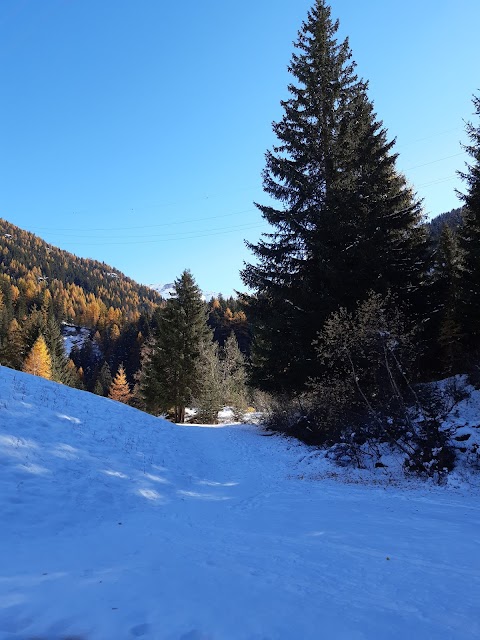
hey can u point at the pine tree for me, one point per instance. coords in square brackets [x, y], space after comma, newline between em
[38, 361]
[448, 290]
[53, 337]
[210, 395]
[171, 371]
[119, 389]
[346, 222]
[234, 377]
[104, 380]
[3, 317]
[98, 389]
[12, 349]
[32, 327]
[469, 239]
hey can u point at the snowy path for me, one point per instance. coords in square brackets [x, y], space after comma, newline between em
[117, 525]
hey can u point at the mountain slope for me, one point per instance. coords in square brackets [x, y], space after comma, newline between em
[117, 525]
[84, 291]
[451, 218]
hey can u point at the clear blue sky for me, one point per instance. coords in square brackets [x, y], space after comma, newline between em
[134, 132]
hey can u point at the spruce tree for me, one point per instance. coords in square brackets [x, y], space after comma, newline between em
[12, 348]
[210, 395]
[346, 222]
[53, 337]
[38, 361]
[3, 317]
[98, 389]
[104, 380]
[171, 371]
[234, 377]
[449, 272]
[469, 239]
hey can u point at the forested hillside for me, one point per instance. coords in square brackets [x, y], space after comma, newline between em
[452, 219]
[83, 291]
[43, 287]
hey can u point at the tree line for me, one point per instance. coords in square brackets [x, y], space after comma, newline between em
[114, 359]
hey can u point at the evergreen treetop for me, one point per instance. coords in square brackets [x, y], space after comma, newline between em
[171, 372]
[469, 237]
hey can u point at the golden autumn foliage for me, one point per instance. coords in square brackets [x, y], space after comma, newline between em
[114, 332]
[120, 389]
[38, 361]
[215, 304]
[34, 272]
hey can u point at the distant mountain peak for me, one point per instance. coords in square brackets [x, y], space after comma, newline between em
[168, 290]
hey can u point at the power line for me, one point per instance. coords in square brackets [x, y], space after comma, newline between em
[433, 135]
[164, 239]
[433, 161]
[149, 226]
[171, 235]
[434, 182]
[225, 215]
[146, 226]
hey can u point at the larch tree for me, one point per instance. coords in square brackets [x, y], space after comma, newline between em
[120, 389]
[469, 239]
[171, 373]
[344, 220]
[38, 361]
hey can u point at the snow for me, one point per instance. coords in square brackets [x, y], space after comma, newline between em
[74, 336]
[168, 291]
[118, 525]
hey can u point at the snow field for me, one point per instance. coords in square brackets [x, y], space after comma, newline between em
[118, 525]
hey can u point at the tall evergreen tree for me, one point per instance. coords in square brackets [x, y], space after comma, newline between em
[469, 239]
[104, 380]
[448, 276]
[234, 377]
[61, 372]
[171, 371]
[12, 349]
[346, 221]
[210, 395]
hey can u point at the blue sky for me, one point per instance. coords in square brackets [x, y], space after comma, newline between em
[134, 132]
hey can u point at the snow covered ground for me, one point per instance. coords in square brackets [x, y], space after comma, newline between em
[117, 525]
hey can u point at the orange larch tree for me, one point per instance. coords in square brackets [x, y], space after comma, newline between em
[120, 389]
[38, 362]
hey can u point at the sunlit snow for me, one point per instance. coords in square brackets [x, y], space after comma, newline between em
[118, 525]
